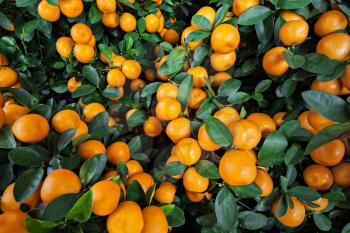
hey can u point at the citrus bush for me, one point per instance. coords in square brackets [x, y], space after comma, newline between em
[158, 116]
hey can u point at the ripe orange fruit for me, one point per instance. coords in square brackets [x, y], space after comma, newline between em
[152, 23]
[335, 46]
[222, 61]
[278, 118]
[152, 127]
[167, 90]
[8, 77]
[81, 33]
[178, 129]
[144, 179]
[134, 167]
[84, 53]
[3, 60]
[154, 220]
[264, 181]
[227, 115]
[110, 20]
[150, 75]
[92, 42]
[82, 129]
[105, 197]
[91, 110]
[13, 112]
[251, 154]
[64, 46]
[171, 36]
[193, 44]
[13, 221]
[274, 63]
[137, 84]
[329, 154]
[9, 203]
[127, 218]
[239, 6]
[207, 12]
[345, 78]
[294, 32]
[158, 65]
[65, 119]
[72, 84]
[304, 122]
[318, 177]
[294, 216]
[48, 12]
[291, 15]
[2, 117]
[115, 78]
[188, 151]
[127, 22]
[118, 151]
[194, 196]
[121, 94]
[71, 8]
[131, 69]
[165, 193]
[90, 148]
[174, 158]
[264, 122]
[129, 113]
[195, 182]
[237, 168]
[199, 74]
[30, 128]
[117, 61]
[205, 141]
[2, 100]
[333, 86]
[168, 109]
[225, 38]
[197, 96]
[58, 183]
[341, 174]
[321, 202]
[221, 77]
[246, 134]
[329, 22]
[317, 121]
[106, 6]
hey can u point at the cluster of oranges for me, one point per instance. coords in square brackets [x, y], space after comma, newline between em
[69, 8]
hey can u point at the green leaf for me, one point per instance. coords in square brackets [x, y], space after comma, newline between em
[207, 220]
[27, 183]
[58, 208]
[229, 86]
[199, 54]
[82, 209]
[322, 221]
[137, 118]
[27, 156]
[65, 138]
[7, 140]
[201, 22]
[272, 148]
[264, 29]
[38, 226]
[28, 28]
[328, 105]
[141, 25]
[150, 89]
[206, 108]
[152, 38]
[4, 21]
[111, 92]
[174, 168]
[319, 64]
[168, 209]
[83, 90]
[304, 193]
[165, 46]
[247, 191]
[254, 15]
[238, 97]
[293, 4]
[135, 192]
[294, 61]
[294, 155]
[53, 2]
[338, 71]
[174, 62]
[226, 217]
[106, 51]
[92, 169]
[221, 14]
[263, 86]
[218, 131]
[184, 92]
[95, 14]
[99, 121]
[289, 128]
[288, 87]
[6, 174]
[196, 36]
[22, 96]
[251, 220]
[91, 75]
[176, 217]
[346, 228]
[207, 169]
[24, 3]
[326, 135]
[335, 196]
